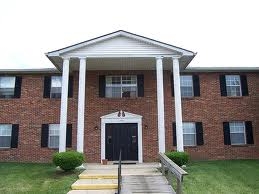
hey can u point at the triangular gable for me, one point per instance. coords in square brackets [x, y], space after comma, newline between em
[121, 114]
[113, 44]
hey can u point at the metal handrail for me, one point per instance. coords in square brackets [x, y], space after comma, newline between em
[119, 174]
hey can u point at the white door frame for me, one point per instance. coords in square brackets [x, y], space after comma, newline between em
[122, 117]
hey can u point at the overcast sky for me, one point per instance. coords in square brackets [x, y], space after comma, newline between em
[222, 32]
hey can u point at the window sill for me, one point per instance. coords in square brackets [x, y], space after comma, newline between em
[5, 149]
[234, 97]
[193, 146]
[243, 145]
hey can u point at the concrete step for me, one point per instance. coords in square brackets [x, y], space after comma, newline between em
[95, 184]
[97, 176]
[112, 191]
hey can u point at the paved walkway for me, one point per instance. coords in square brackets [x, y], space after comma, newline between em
[138, 178]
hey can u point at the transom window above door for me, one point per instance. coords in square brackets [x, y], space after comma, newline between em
[121, 86]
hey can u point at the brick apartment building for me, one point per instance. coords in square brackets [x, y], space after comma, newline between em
[122, 90]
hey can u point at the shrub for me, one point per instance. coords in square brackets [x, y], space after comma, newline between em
[180, 158]
[68, 160]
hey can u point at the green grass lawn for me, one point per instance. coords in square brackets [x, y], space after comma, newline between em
[230, 176]
[34, 178]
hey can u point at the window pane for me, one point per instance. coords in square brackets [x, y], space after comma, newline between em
[189, 127]
[129, 92]
[189, 134]
[237, 132]
[186, 91]
[189, 139]
[7, 82]
[5, 135]
[54, 135]
[113, 92]
[233, 91]
[5, 141]
[186, 83]
[56, 81]
[232, 80]
[7, 85]
[55, 91]
[237, 138]
[54, 141]
[5, 130]
[116, 80]
[233, 85]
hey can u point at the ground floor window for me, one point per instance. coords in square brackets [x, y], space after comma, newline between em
[189, 134]
[53, 136]
[5, 135]
[237, 133]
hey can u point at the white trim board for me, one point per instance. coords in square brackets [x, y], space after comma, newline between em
[127, 118]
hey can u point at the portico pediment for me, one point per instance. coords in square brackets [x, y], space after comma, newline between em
[121, 115]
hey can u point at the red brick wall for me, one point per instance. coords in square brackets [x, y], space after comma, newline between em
[32, 110]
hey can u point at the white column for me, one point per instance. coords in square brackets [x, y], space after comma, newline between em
[63, 109]
[160, 105]
[178, 104]
[81, 106]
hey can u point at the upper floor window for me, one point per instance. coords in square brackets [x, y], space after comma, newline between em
[53, 86]
[186, 83]
[55, 89]
[121, 86]
[190, 85]
[5, 135]
[233, 85]
[7, 87]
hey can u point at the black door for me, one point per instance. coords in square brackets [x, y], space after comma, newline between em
[122, 136]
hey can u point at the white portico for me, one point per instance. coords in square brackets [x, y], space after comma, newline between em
[120, 51]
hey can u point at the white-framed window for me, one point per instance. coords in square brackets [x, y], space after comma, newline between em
[237, 133]
[7, 86]
[5, 135]
[53, 136]
[56, 84]
[121, 86]
[186, 83]
[189, 134]
[233, 85]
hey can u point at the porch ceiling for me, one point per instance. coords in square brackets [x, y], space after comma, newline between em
[123, 63]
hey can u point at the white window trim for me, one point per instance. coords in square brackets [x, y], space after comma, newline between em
[121, 85]
[7, 136]
[244, 128]
[195, 134]
[240, 87]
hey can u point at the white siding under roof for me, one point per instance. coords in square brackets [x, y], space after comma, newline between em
[119, 46]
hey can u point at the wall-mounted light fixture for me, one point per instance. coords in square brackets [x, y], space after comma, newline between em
[96, 127]
[145, 126]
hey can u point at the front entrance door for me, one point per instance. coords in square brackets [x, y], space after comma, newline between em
[122, 136]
